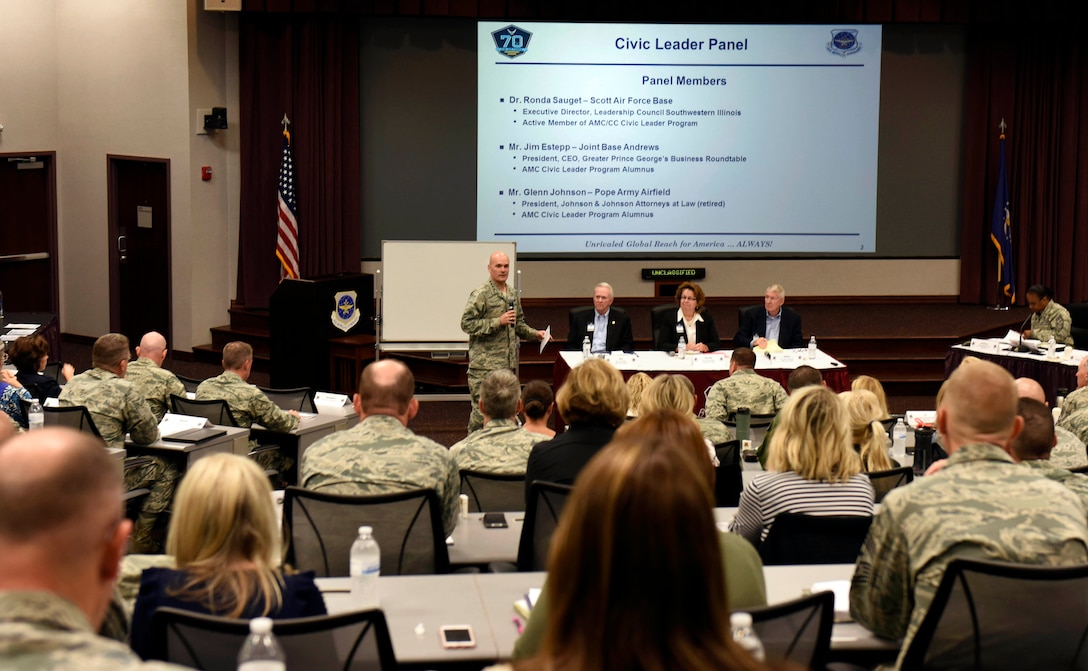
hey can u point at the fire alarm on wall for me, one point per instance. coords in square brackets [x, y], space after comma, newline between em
[206, 173]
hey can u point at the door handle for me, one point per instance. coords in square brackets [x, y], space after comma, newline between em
[122, 248]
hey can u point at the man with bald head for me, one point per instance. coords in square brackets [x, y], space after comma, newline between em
[63, 535]
[154, 382]
[493, 321]
[980, 505]
[1069, 451]
[380, 454]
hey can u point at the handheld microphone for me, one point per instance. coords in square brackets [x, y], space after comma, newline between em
[510, 307]
[1020, 347]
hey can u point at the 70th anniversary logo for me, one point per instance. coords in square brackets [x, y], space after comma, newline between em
[511, 41]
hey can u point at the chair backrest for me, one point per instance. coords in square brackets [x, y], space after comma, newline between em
[1079, 469]
[299, 398]
[492, 492]
[814, 539]
[743, 310]
[189, 383]
[216, 411]
[729, 481]
[354, 641]
[545, 505]
[885, 481]
[995, 615]
[660, 316]
[797, 631]
[74, 417]
[407, 526]
[53, 370]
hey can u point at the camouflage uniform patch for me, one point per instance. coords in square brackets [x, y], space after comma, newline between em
[500, 447]
[155, 384]
[744, 389]
[989, 507]
[380, 455]
[40, 631]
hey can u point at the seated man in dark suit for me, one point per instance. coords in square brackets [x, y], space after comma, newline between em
[773, 321]
[609, 329]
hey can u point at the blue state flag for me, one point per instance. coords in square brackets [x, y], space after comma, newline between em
[1001, 232]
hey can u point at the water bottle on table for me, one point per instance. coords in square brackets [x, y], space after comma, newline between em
[261, 651]
[366, 566]
[745, 637]
[35, 416]
[899, 442]
[812, 347]
[586, 346]
[681, 346]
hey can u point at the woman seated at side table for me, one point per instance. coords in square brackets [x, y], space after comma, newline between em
[692, 322]
[814, 469]
[29, 354]
[646, 501]
[225, 540]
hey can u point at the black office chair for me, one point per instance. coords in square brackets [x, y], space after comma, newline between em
[407, 525]
[661, 317]
[885, 481]
[53, 370]
[73, 416]
[189, 383]
[493, 492]
[797, 631]
[814, 539]
[216, 411]
[729, 482]
[299, 398]
[354, 641]
[996, 615]
[545, 505]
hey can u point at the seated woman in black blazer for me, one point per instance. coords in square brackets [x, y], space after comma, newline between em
[692, 322]
[29, 354]
[225, 540]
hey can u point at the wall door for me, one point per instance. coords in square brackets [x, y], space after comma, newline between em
[28, 232]
[139, 230]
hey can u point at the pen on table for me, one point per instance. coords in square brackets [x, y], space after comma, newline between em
[517, 623]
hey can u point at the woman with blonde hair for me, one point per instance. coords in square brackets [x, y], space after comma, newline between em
[636, 385]
[814, 469]
[871, 384]
[642, 508]
[676, 392]
[225, 541]
[593, 401]
[863, 413]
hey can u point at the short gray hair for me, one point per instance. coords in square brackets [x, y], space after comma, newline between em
[499, 394]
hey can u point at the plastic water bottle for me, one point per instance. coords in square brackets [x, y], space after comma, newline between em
[899, 441]
[366, 566]
[812, 347]
[36, 416]
[745, 637]
[261, 651]
[1051, 349]
[681, 346]
[586, 347]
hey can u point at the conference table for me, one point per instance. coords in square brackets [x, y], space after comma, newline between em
[1051, 374]
[416, 607]
[705, 369]
[233, 440]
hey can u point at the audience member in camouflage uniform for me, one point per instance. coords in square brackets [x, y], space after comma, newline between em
[152, 380]
[989, 507]
[502, 446]
[248, 404]
[380, 454]
[493, 328]
[1033, 447]
[1078, 398]
[118, 408]
[1069, 451]
[1050, 319]
[744, 388]
[63, 538]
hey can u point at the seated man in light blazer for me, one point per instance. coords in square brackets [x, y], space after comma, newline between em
[773, 321]
[608, 328]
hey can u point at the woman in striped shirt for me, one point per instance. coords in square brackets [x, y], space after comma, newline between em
[814, 468]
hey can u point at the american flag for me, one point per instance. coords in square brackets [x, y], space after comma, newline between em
[287, 236]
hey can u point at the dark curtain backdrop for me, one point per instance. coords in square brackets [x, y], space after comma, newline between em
[1024, 65]
[1040, 88]
[307, 67]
